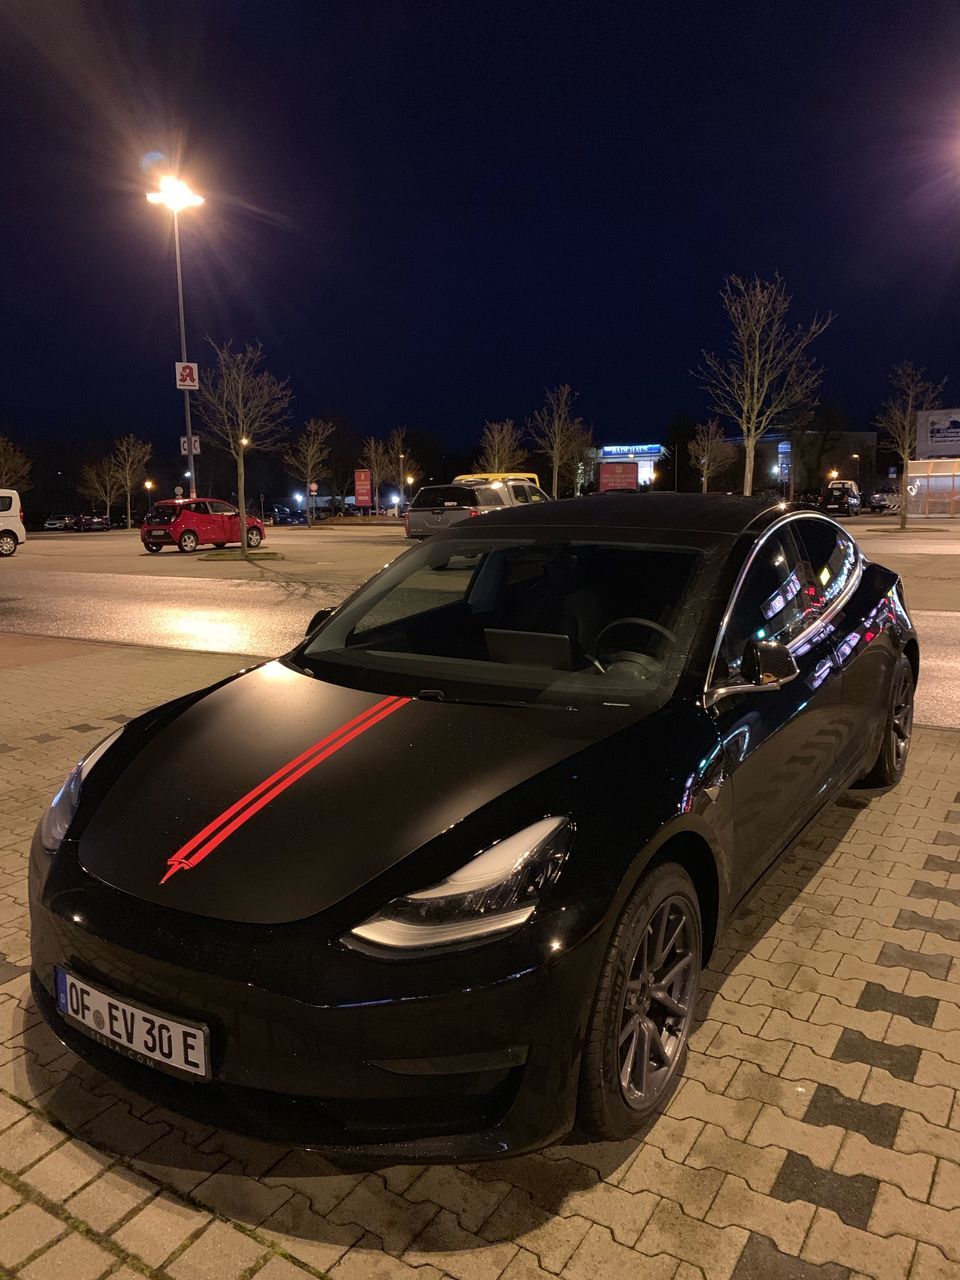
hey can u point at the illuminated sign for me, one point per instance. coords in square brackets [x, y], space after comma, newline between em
[629, 450]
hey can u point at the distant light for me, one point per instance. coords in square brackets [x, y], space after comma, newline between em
[395, 498]
[833, 474]
[409, 479]
[298, 497]
[774, 471]
[244, 440]
[186, 475]
[176, 195]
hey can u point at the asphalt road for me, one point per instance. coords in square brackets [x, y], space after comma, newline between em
[105, 587]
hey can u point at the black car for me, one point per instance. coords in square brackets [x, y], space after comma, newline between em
[440, 882]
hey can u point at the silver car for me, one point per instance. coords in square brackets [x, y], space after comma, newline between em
[436, 506]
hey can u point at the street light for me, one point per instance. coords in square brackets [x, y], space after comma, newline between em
[177, 196]
[148, 485]
[832, 475]
[856, 458]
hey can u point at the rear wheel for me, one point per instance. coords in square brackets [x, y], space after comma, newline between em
[8, 543]
[254, 537]
[219, 545]
[153, 547]
[188, 541]
[897, 731]
[644, 1006]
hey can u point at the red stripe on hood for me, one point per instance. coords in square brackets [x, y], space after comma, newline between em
[215, 832]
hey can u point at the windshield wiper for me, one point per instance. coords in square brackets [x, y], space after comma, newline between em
[438, 695]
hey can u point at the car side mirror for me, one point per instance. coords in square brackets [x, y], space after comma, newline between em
[765, 665]
[320, 616]
[767, 662]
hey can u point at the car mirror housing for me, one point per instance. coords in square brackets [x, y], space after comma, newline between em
[767, 662]
[320, 616]
[766, 665]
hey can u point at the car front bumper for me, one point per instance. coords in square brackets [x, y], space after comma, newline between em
[466, 1070]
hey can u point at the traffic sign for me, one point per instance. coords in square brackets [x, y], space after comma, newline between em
[178, 491]
[183, 445]
[314, 487]
[188, 375]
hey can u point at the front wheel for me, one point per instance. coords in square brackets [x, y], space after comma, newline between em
[8, 543]
[254, 537]
[188, 541]
[153, 547]
[644, 1005]
[891, 763]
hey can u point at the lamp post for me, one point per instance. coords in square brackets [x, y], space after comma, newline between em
[177, 196]
[402, 486]
[856, 459]
[148, 485]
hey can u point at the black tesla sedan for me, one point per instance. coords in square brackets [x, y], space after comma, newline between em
[440, 882]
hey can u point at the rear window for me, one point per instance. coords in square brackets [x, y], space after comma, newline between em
[162, 515]
[445, 495]
[6, 502]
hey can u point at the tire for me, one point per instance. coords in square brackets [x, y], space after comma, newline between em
[617, 1095]
[254, 537]
[188, 541]
[219, 545]
[8, 543]
[153, 547]
[891, 762]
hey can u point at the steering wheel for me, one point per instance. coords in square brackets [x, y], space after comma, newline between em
[629, 655]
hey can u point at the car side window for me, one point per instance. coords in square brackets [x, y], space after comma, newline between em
[490, 497]
[769, 604]
[5, 503]
[222, 509]
[520, 493]
[831, 555]
[536, 495]
[197, 508]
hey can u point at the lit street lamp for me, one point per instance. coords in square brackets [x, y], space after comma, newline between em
[148, 485]
[177, 196]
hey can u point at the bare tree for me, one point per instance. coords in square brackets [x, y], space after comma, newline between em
[501, 447]
[767, 378]
[912, 394]
[559, 433]
[244, 408]
[710, 451]
[130, 457]
[14, 466]
[400, 461]
[100, 482]
[309, 454]
[376, 459]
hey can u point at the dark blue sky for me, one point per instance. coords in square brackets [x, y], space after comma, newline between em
[430, 211]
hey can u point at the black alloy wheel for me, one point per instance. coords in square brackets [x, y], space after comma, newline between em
[898, 730]
[644, 1006]
[188, 541]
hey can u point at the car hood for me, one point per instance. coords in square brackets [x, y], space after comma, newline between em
[276, 795]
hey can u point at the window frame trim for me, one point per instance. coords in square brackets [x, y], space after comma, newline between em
[745, 568]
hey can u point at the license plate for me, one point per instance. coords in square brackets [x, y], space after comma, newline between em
[142, 1034]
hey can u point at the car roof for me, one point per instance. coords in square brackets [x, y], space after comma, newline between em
[718, 514]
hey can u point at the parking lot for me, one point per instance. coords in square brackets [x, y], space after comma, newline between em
[816, 1135]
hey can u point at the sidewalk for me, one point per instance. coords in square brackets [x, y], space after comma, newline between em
[816, 1135]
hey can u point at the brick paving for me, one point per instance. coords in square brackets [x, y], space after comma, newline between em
[816, 1135]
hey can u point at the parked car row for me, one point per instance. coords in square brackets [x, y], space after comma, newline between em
[79, 523]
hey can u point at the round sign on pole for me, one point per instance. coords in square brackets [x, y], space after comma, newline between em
[314, 487]
[179, 491]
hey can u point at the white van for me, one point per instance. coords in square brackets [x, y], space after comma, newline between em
[12, 532]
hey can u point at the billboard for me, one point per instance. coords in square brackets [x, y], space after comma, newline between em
[361, 488]
[617, 475]
[938, 433]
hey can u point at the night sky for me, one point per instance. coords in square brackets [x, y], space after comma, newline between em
[428, 212]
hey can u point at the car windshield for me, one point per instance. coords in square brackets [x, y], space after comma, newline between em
[568, 622]
[162, 515]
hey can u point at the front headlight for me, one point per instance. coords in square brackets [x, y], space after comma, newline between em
[56, 821]
[498, 889]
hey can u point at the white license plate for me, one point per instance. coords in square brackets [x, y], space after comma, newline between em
[138, 1033]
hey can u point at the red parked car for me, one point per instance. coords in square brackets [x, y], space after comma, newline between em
[188, 523]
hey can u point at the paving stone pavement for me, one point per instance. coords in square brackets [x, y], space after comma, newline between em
[816, 1135]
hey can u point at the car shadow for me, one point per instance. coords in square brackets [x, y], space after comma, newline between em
[317, 1209]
